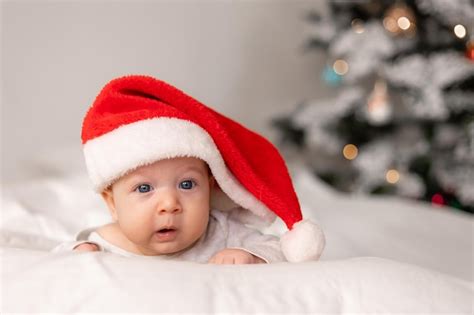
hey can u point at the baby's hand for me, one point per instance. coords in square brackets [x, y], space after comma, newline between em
[86, 247]
[234, 256]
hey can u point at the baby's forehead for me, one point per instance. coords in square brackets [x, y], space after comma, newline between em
[178, 164]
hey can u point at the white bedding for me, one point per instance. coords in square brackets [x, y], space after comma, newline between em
[424, 259]
[100, 282]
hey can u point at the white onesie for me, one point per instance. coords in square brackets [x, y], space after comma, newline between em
[223, 231]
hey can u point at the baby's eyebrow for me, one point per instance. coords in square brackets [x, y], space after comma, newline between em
[194, 168]
[135, 178]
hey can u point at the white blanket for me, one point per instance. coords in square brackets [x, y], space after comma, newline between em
[100, 282]
[424, 264]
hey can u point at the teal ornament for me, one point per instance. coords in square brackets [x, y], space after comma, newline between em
[331, 77]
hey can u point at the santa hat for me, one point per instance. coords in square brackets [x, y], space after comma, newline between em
[137, 120]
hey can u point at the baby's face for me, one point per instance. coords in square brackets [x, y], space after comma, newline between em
[168, 194]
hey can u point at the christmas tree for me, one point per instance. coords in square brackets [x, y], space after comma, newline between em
[402, 122]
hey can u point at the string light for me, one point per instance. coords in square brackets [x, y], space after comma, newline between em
[404, 23]
[358, 26]
[390, 24]
[392, 176]
[460, 31]
[340, 66]
[399, 19]
[350, 151]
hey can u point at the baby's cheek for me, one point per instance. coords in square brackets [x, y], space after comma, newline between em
[137, 229]
[193, 228]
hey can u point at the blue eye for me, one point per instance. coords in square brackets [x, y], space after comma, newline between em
[187, 184]
[143, 188]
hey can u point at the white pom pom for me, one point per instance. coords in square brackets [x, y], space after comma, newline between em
[303, 243]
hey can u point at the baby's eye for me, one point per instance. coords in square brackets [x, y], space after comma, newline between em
[187, 184]
[143, 188]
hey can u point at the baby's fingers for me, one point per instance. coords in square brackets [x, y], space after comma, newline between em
[228, 260]
[241, 260]
[222, 260]
[86, 247]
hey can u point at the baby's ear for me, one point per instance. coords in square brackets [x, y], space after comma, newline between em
[108, 197]
[212, 182]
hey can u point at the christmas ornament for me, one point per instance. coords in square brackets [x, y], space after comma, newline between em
[470, 50]
[437, 200]
[137, 120]
[379, 109]
[330, 76]
[399, 19]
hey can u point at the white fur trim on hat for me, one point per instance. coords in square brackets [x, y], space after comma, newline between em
[130, 146]
[304, 242]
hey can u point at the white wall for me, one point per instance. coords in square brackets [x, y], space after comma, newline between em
[243, 58]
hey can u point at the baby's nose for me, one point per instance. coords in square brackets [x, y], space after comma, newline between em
[174, 210]
[168, 203]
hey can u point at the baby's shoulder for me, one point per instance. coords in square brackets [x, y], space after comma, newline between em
[107, 231]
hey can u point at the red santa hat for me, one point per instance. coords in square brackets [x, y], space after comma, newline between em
[137, 120]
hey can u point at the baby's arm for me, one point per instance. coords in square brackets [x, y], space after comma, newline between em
[76, 246]
[247, 245]
[231, 256]
[82, 243]
[87, 247]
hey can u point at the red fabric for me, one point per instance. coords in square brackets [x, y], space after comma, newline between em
[253, 160]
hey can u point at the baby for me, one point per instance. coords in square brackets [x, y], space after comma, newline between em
[164, 208]
[182, 181]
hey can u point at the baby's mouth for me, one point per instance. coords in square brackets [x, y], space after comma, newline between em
[166, 234]
[166, 230]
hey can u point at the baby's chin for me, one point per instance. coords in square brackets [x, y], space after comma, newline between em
[169, 248]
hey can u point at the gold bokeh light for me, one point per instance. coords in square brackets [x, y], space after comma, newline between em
[340, 66]
[358, 26]
[403, 23]
[350, 151]
[392, 176]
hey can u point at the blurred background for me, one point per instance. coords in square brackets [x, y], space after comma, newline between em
[243, 58]
[402, 122]
[373, 96]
